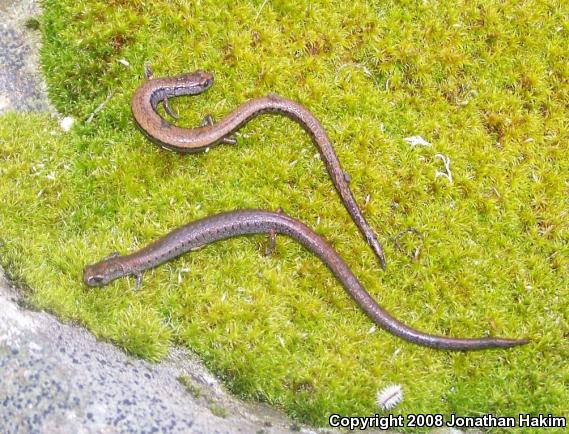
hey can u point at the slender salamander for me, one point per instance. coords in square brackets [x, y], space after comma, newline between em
[226, 225]
[147, 97]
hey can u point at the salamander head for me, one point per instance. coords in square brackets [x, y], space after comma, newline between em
[104, 272]
[194, 82]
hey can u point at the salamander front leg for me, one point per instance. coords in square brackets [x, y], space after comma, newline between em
[148, 74]
[272, 238]
[208, 121]
[168, 109]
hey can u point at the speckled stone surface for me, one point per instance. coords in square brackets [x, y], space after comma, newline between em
[57, 378]
[21, 87]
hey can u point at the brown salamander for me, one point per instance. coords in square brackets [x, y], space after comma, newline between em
[153, 91]
[231, 224]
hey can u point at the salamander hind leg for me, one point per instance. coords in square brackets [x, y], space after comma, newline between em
[208, 122]
[272, 237]
[229, 140]
[138, 284]
[272, 242]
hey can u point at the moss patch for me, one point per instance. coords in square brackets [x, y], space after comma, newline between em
[486, 83]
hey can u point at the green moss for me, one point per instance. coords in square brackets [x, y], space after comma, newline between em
[190, 386]
[32, 24]
[217, 410]
[486, 83]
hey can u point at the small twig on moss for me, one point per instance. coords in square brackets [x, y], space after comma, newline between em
[417, 251]
[180, 272]
[99, 107]
[364, 68]
[260, 9]
[446, 162]
[416, 141]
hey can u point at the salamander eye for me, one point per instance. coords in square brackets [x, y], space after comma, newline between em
[93, 280]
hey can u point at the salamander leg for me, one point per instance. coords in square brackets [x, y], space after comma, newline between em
[169, 109]
[272, 238]
[208, 121]
[138, 284]
[148, 74]
[147, 71]
[229, 140]
[272, 242]
[347, 177]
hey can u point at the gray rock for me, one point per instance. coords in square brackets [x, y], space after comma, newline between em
[21, 86]
[57, 378]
